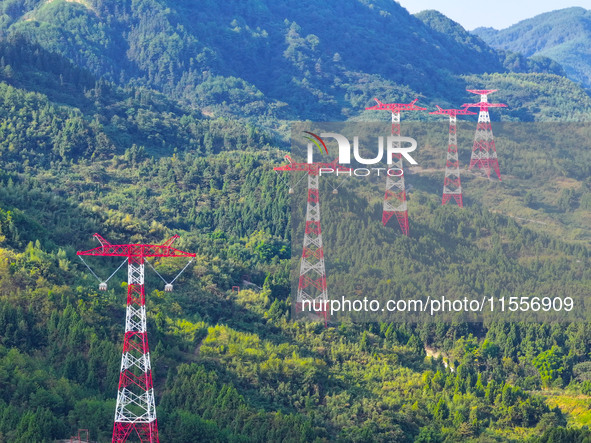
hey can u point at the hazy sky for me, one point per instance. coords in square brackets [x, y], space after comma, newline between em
[498, 14]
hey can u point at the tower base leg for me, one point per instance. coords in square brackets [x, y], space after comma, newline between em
[401, 216]
[457, 197]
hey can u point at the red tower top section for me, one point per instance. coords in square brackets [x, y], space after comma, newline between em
[136, 250]
[396, 107]
[483, 104]
[452, 112]
[482, 91]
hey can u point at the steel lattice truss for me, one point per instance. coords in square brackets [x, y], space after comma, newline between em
[395, 195]
[312, 280]
[452, 186]
[135, 411]
[484, 151]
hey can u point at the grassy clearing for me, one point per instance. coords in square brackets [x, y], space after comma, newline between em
[576, 407]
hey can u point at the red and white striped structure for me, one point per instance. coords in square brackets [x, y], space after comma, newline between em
[136, 409]
[395, 195]
[452, 185]
[312, 280]
[484, 152]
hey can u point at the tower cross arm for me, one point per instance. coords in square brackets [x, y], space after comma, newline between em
[396, 107]
[292, 166]
[484, 105]
[107, 249]
[311, 167]
[482, 91]
[136, 250]
[442, 111]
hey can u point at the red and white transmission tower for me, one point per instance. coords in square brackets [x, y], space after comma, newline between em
[136, 408]
[312, 281]
[452, 186]
[484, 152]
[395, 196]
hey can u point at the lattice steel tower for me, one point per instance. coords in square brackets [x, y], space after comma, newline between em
[136, 408]
[312, 279]
[395, 195]
[452, 185]
[484, 152]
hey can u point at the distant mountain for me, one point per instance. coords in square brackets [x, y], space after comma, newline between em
[267, 60]
[563, 35]
[467, 43]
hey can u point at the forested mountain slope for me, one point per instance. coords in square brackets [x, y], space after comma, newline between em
[118, 118]
[263, 59]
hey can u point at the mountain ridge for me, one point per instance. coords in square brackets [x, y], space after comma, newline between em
[276, 60]
[563, 35]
